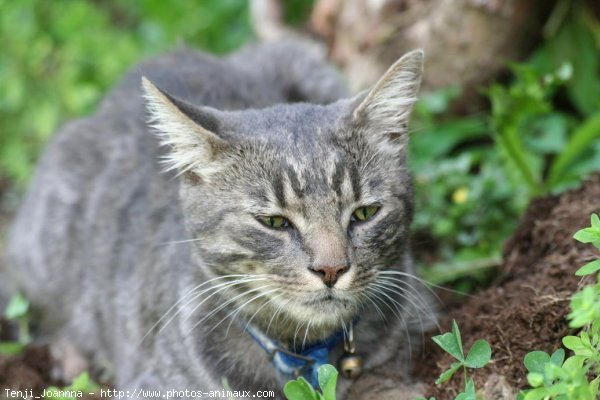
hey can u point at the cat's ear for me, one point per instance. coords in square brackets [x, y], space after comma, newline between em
[383, 112]
[191, 132]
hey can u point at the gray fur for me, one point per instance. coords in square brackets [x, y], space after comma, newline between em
[105, 243]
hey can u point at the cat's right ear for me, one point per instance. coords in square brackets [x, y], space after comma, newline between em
[190, 132]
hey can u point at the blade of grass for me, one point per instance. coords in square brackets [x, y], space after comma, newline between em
[581, 139]
[513, 147]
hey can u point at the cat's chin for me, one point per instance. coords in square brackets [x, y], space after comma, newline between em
[325, 309]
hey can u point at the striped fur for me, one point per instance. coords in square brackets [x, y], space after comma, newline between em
[111, 247]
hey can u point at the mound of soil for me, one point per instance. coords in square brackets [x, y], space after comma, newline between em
[525, 308]
[29, 370]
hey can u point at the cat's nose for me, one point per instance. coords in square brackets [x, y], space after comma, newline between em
[329, 275]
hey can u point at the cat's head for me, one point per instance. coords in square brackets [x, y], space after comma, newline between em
[302, 205]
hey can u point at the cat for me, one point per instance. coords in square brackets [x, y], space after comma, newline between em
[261, 208]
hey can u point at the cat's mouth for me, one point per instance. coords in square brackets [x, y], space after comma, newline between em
[329, 299]
[323, 308]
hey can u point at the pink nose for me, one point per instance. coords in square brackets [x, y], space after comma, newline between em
[329, 275]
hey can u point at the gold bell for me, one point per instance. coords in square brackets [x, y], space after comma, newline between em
[351, 365]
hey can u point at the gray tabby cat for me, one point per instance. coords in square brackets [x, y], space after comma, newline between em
[286, 221]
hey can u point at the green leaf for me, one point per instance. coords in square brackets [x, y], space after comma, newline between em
[534, 361]
[84, 383]
[450, 342]
[11, 348]
[558, 357]
[580, 140]
[587, 235]
[583, 307]
[469, 393]
[595, 221]
[512, 145]
[573, 342]
[327, 376]
[585, 339]
[456, 333]
[299, 389]
[479, 355]
[17, 307]
[535, 379]
[536, 394]
[447, 374]
[589, 268]
[573, 363]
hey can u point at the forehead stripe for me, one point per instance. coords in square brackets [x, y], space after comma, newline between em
[338, 178]
[278, 189]
[294, 182]
[355, 181]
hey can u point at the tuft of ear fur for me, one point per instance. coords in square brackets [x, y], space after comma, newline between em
[186, 129]
[386, 108]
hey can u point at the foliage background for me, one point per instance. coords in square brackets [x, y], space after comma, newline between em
[474, 174]
[59, 57]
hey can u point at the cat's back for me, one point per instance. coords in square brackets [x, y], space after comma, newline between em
[98, 201]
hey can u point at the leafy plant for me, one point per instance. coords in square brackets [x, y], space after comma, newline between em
[590, 235]
[300, 389]
[566, 145]
[577, 377]
[466, 204]
[476, 174]
[83, 383]
[17, 311]
[478, 356]
[58, 58]
[525, 106]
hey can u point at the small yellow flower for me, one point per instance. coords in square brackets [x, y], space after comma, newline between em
[460, 195]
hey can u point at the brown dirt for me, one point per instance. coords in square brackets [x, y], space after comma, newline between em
[30, 370]
[525, 308]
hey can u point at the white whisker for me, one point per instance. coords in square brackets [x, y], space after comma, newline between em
[400, 318]
[276, 314]
[258, 310]
[406, 288]
[411, 291]
[383, 318]
[189, 293]
[407, 310]
[425, 283]
[306, 332]
[239, 308]
[219, 308]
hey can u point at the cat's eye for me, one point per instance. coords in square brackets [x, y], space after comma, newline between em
[364, 213]
[275, 222]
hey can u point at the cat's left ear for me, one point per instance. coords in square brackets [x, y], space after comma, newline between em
[383, 113]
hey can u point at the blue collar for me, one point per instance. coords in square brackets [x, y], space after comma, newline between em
[290, 365]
